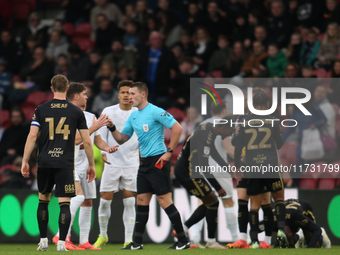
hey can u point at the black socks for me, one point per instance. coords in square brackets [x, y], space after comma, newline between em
[142, 216]
[42, 215]
[64, 220]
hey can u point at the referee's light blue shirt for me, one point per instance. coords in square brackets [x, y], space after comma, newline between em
[149, 126]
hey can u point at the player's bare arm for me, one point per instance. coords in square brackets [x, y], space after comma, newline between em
[175, 135]
[102, 145]
[118, 136]
[91, 171]
[96, 124]
[29, 146]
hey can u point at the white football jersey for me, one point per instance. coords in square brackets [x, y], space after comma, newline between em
[128, 152]
[81, 160]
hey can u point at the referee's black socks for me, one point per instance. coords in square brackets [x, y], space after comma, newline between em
[280, 211]
[176, 221]
[211, 217]
[64, 220]
[42, 215]
[142, 216]
[197, 215]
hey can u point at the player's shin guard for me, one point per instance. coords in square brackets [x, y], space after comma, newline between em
[268, 222]
[176, 221]
[254, 225]
[129, 215]
[84, 224]
[231, 222]
[211, 217]
[196, 216]
[104, 213]
[64, 220]
[280, 211]
[142, 216]
[42, 215]
[243, 218]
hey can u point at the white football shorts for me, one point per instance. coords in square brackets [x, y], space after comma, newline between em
[89, 189]
[118, 178]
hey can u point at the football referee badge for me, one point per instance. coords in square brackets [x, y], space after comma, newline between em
[146, 128]
[206, 150]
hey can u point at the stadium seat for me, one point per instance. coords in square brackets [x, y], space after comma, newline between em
[83, 29]
[320, 37]
[28, 112]
[20, 10]
[326, 183]
[49, 96]
[84, 43]
[177, 113]
[322, 73]
[3, 168]
[69, 29]
[4, 117]
[288, 152]
[36, 98]
[307, 183]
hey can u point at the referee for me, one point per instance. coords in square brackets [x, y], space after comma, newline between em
[57, 121]
[154, 171]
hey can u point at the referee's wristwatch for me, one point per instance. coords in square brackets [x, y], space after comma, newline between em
[169, 150]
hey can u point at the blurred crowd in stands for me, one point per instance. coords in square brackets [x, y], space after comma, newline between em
[164, 43]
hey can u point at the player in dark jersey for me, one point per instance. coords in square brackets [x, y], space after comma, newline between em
[195, 154]
[261, 137]
[300, 218]
[243, 199]
[57, 121]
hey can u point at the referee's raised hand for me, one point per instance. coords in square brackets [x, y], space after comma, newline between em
[91, 174]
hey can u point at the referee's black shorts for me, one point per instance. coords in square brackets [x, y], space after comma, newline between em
[150, 179]
[61, 177]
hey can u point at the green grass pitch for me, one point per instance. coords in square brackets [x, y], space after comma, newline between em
[159, 249]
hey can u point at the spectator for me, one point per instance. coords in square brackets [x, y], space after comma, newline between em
[309, 49]
[254, 19]
[186, 44]
[251, 66]
[57, 45]
[279, 27]
[193, 19]
[110, 10]
[309, 13]
[123, 73]
[106, 97]
[164, 6]
[177, 51]
[292, 70]
[106, 32]
[106, 72]
[62, 65]
[241, 29]
[320, 98]
[215, 23]
[334, 89]
[120, 57]
[151, 25]
[260, 34]
[131, 38]
[142, 13]
[311, 82]
[15, 180]
[35, 27]
[236, 60]
[171, 29]
[77, 11]
[9, 50]
[191, 121]
[276, 61]
[204, 48]
[155, 66]
[27, 52]
[294, 48]
[39, 70]
[129, 15]
[95, 63]
[220, 56]
[331, 14]
[316, 120]
[5, 81]
[13, 140]
[79, 63]
[58, 25]
[329, 48]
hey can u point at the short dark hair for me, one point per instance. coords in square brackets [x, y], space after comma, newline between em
[75, 88]
[261, 98]
[141, 87]
[218, 108]
[124, 83]
[59, 83]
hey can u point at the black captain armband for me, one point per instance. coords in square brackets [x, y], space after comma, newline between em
[112, 129]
